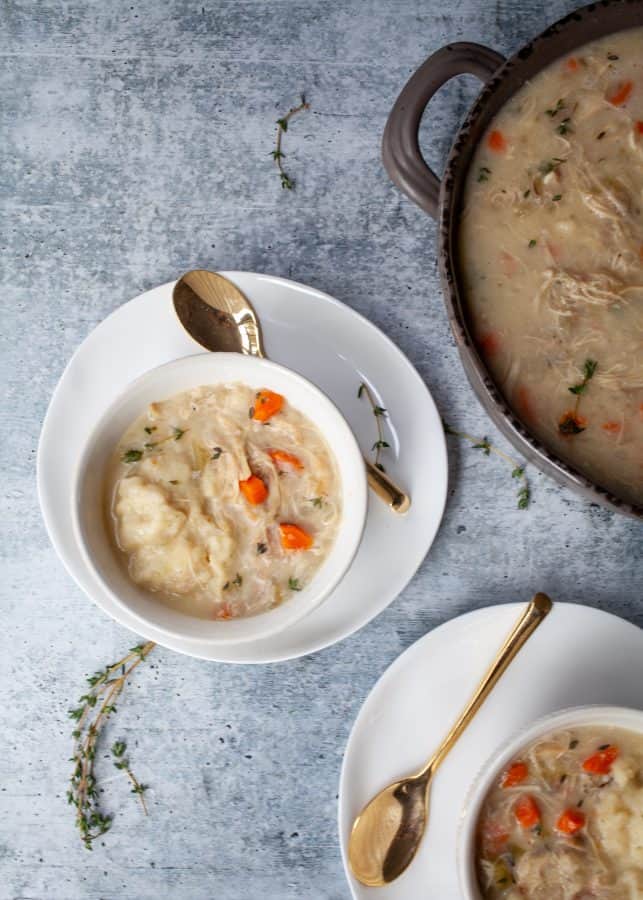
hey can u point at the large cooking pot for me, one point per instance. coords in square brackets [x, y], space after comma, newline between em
[441, 198]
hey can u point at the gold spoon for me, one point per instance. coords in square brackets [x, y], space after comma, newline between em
[388, 831]
[219, 317]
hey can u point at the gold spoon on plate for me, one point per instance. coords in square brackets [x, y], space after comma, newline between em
[388, 831]
[219, 317]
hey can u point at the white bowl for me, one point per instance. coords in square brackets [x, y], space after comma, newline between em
[615, 716]
[97, 546]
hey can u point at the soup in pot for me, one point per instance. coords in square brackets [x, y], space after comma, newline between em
[224, 500]
[564, 821]
[551, 253]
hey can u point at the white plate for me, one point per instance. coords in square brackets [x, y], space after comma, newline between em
[335, 348]
[578, 656]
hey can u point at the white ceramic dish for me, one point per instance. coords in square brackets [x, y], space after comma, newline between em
[89, 520]
[333, 347]
[616, 716]
[417, 699]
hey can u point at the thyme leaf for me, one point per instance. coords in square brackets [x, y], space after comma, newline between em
[379, 412]
[278, 154]
[132, 456]
[517, 470]
[91, 716]
[293, 584]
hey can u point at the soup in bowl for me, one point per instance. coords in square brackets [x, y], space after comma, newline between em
[221, 497]
[558, 814]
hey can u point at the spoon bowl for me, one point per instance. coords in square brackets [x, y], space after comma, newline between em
[388, 831]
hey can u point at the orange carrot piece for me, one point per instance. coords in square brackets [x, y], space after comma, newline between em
[612, 427]
[572, 64]
[489, 343]
[254, 490]
[267, 404]
[225, 612]
[570, 821]
[286, 460]
[527, 812]
[600, 763]
[638, 127]
[294, 538]
[621, 94]
[497, 141]
[515, 774]
[525, 402]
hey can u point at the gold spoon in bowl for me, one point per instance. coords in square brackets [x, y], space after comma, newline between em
[388, 831]
[219, 317]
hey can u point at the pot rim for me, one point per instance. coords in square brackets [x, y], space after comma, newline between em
[485, 388]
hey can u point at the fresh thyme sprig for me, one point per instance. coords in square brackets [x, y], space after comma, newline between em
[94, 709]
[122, 762]
[278, 154]
[379, 412]
[571, 422]
[517, 471]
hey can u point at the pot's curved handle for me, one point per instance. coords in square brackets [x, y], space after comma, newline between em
[400, 148]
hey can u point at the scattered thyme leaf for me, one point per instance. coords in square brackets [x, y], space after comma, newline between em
[278, 154]
[532, 243]
[238, 580]
[612, 56]
[600, 135]
[132, 456]
[293, 584]
[379, 412]
[178, 433]
[316, 501]
[262, 548]
[483, 173]
[97, 705]
[483, 445]
[517, 471]
[173, 481]
[557, 197]
[149, 429]
[217, 451]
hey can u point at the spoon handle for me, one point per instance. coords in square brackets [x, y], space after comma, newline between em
[529, 621]
[386, 490]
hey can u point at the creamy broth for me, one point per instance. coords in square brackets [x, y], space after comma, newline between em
[224, 501]
[564, 821]
[551, 251]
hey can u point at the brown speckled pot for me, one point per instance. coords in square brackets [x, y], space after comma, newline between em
[442, 198]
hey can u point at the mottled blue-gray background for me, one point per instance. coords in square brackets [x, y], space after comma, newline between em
[135, 144]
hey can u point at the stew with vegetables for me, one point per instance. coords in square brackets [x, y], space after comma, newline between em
[551, 253]
[224, 500]
[565, 820]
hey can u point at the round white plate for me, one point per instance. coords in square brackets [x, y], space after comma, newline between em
[578, 656]
[335, 348]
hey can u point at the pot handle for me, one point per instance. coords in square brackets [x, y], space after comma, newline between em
[401, 153]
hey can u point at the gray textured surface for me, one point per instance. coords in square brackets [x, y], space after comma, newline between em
[136, 141]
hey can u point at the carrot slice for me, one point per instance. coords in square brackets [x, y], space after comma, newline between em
[294, 538]
[515, 774]
[497, 141]
[285, 460]
[572, 64]
[600, 763]
[254, 490]
[570, 821]
[621, 94]
[527, 812]
[612, 427]
[489, 343]
[638, 126]
[267, 404]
